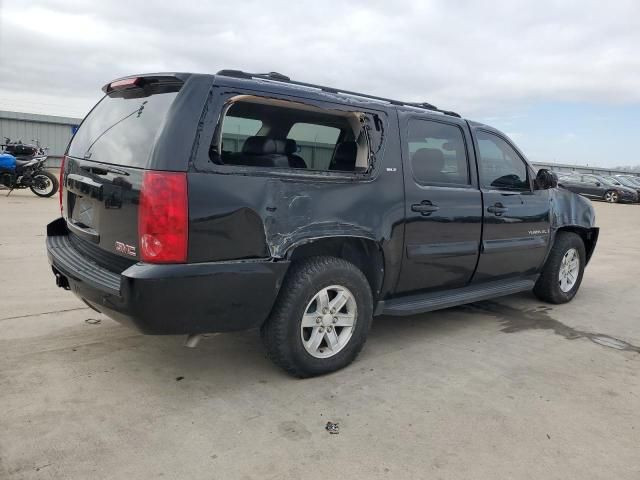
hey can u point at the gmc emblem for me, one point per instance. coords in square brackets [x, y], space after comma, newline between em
[126, 249]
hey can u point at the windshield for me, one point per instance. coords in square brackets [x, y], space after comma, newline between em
[122, 131]
[635, 181]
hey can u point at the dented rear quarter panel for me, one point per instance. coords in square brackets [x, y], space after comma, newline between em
[245, 213]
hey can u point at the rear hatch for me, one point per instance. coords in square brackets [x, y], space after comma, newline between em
[105, 166]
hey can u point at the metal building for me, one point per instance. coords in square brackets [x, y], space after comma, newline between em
[50, 131]
[568, 168]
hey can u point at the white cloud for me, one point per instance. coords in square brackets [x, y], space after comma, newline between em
[477, 57]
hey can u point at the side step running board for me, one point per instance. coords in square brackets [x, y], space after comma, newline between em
[426, 302]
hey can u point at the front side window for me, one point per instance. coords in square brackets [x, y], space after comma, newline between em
[500, 165]
[279, 134]
[589, 179]
[438, 153]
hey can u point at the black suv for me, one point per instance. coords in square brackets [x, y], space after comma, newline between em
[208, 203]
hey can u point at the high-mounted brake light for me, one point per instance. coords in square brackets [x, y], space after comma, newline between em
[61, 186]
[127, 82]
[163, 219]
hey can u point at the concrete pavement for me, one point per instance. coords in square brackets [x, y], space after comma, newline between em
[511, 388]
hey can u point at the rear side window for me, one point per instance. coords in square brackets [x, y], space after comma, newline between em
[316, 143]
[500, 165]
[438, 153]
[269, 133]
[122, 131]
[235, 130]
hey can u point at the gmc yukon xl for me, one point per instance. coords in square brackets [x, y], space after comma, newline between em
[195, 203]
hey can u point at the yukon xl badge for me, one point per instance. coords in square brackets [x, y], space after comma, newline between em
[125, 249]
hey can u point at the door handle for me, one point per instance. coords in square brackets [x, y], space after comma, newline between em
[497, 209]
[425, 207]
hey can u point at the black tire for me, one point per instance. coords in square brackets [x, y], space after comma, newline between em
[281, 333]
[54, 182]
[615, 198]
[547, 287]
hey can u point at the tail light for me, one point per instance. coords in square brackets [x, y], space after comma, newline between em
[61, 182]
[163, 220]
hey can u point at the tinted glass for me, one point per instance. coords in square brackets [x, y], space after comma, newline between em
[500, 165]
[590, 180]
[630, 181]
[438, 153]
[122, 131]
[603, 180]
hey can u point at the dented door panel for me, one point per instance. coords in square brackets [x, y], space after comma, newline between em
[243, 216]
[248, 212]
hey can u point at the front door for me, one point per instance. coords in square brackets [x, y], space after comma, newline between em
[516, 217]
[593, 187]
[443, 204]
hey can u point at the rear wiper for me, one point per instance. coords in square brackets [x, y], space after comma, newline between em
[138, 111]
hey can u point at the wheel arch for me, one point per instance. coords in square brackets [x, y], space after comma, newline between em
[589, 236]
[363, 252]
[612, 190]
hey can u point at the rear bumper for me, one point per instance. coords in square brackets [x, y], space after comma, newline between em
[170, 299]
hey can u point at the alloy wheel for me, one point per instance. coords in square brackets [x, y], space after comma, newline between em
[611, 197]
[328, 322]
[569, 270]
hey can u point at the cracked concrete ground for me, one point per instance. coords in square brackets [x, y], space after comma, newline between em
[511, 388]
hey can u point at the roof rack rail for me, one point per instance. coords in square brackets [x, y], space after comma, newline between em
[278, 77]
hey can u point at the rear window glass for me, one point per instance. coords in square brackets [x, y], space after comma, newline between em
[122, 131]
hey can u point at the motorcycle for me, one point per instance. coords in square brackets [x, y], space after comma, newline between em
[23, 167]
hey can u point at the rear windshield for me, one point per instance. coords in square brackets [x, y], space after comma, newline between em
[122, 131]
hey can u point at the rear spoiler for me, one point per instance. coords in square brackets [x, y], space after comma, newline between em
[140, 81]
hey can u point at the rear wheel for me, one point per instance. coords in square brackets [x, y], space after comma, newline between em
[44, 184]
[321, 319]
[611, 196]
[562, 273]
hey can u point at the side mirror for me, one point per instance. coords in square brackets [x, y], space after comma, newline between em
[546, 179]
[598, 184]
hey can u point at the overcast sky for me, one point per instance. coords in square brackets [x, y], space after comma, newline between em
[561, 77]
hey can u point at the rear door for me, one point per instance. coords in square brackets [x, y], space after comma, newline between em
[443, 204]
[516, 217]
[105, 163]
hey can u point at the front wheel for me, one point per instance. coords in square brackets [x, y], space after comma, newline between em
[44, 184]
[321, 318]
[562, 273]
[611, 196]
